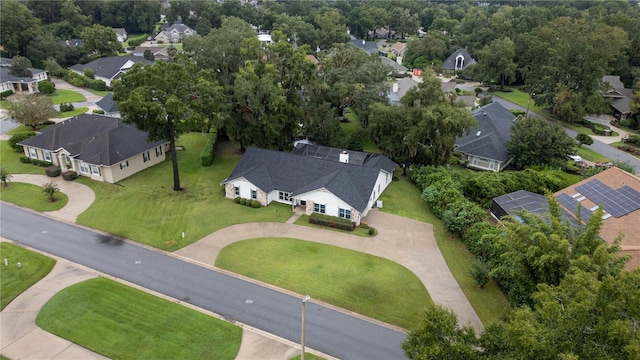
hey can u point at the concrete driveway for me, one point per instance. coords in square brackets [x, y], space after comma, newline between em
[409, 243]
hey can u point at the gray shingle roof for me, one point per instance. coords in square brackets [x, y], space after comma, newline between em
[450, 62]
[95, 139]
[108, 104]
[370, 47]
[393, 64]
[273, 170]
[109, 67]
[488, 139]
[6, 77]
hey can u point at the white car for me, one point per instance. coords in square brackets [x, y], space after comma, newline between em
[575, 158]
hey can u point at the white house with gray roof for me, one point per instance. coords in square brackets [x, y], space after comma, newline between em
[100, 147]
[110, 68]
[484, 147]
[20, 84]
[320, 179]
[175, 33]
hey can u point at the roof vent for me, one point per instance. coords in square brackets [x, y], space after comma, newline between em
[478, 133]
[344, 157]
[363, 42]
[484, 113]
[395, 87]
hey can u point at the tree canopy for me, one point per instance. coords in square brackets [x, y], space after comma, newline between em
[536, 141]
[31, 110]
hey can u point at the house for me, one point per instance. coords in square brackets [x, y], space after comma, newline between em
[619, 193]
[397, 68]
[121, 34]
[370, 47]
[174, 33]
[265, 39]
[319, 179]
[621, 96]
[513, 203]
[20, 84]
[399, 89]
[100, 147]
[158, 52]
[398, 48]
[459, 60]
[109, 106]
[484, 147]
[110, 68]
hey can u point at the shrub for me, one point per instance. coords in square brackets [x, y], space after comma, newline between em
[460, 215]
[46, 87]
[133, 42]
[364, 225]
[206, 155]
[477, 90]
[70, 175]
[24, 160]
[248, 202]
[633, 139]
[15, 139]
[236, 200]
[517, 112]
[66, 107]
[242, 201]
[52, 171]
[372, 231]
[40, 162]
[98, 111]
[331, 221]
[88, 72]
[255, 204]
[5, 94]
[480, 273]
[97, 85]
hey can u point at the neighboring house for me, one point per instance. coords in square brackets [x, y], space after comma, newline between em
[121, 34]
[100, 147]
[175, 33]
[265, 38]
[619, 193]
[110, 68]
[370, 47]
[397, 68]
[18, 84]
[399, 89]
[109, 106]
[459, 60]
[159, 52]
[513, 203]
[485, 147]
[621, 96]
[398, 48]
[319, 179]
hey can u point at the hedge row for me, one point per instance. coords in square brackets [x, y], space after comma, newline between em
[19, 137]
[5, 94]
[248, 202]
[26, 160]
[206, 155]
[83, 81]
[69, 175]
[331, 221]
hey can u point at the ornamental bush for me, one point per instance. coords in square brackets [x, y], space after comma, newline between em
[70, 175]
[206, 155]
[15, 139]
[52, 171]
[255, 204]
[331, 221]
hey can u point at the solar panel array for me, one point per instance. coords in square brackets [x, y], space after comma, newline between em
[572, 204]
[616, 202]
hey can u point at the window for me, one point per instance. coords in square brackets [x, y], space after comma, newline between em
[236, 190]
[254, 194]
[284, 196]
[95, 170]
[124, 164]
[158, 151]
[47, 155]
[33, 153]
[378, 188]
[319, 208]
[344, 213]
[145, 156]
[84, 167]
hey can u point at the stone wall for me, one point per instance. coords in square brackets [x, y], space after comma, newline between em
[229, 191]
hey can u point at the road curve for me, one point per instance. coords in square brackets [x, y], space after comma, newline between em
[332, 332]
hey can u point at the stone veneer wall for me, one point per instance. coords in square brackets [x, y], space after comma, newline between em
[229, 191]
[309, 209]
[356, 216]
[262, 197]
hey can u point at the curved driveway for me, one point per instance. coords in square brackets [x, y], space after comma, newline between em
[408, 242]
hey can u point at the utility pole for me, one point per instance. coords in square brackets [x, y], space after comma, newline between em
[304, 309]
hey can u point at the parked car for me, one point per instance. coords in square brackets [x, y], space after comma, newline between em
[576, 158]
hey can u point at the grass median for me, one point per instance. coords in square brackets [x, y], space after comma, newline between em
[403, 198]
[14, 280]
[366, 284]
[121, 322]
[31, 196]
[62, 96]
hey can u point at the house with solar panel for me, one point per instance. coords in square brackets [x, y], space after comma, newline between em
[616, 190]
[336, 182]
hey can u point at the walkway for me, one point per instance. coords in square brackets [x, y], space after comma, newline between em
[606, 120]
[408, 242]
[80, 196]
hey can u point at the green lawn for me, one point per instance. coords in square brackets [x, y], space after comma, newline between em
[352, 126]
[4, 104]
[14, 281]
[591, 155]
[66, 96]
[121, 322]
[403, 198]
[366, 284]
[9, 160]
[31, 196]
[358, 231]
[520, 98]
[99, 93]
[144, 207]
[74, 112]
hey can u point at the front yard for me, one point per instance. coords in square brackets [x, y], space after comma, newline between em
[62, 96]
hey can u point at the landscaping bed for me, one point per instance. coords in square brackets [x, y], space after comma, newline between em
[32, 197]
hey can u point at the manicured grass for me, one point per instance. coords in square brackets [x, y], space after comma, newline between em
[121, 322]
[4, 104]
[11, 161]
[31, 196]
[144, 207]
[66, 96]
[99, 93]
[74, 112]
[366, 284]
[358, 231]
[403, 198]
[591, 155]
[352, 126]
[521, 98]
[14, 281]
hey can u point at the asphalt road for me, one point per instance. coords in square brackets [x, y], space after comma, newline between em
[601, 148]
[332, 332]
